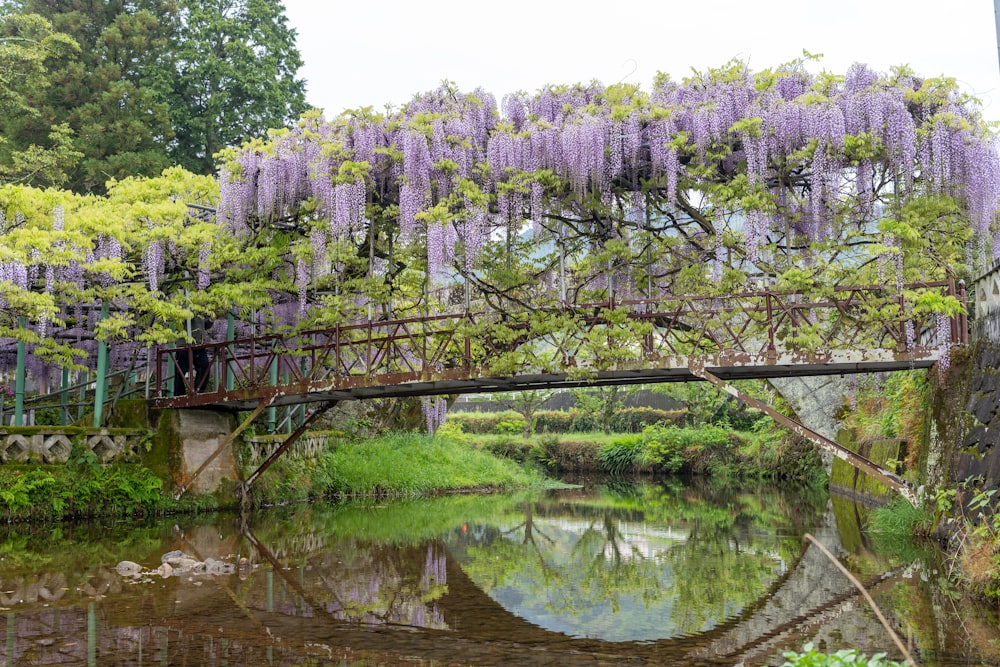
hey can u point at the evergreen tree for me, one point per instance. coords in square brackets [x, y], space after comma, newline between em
[28, 49]
[236, 69]
[157, 82]
[113, 94]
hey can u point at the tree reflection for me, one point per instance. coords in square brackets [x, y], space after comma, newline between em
[636, 562]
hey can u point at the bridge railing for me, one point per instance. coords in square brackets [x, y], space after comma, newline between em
[597, 335]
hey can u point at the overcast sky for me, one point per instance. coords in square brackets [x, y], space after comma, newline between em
[378, 52]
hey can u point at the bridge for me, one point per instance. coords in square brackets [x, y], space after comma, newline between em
[759, 334]
[743, 336]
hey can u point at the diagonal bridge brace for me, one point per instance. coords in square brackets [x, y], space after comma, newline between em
[289, 441]
[892, 480]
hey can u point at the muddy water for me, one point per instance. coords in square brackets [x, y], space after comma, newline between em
[615, 572]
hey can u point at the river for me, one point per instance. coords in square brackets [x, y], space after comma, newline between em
[676, 571]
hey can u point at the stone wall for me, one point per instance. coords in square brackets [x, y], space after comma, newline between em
[967, 417]
[51, 444]
[816, 402]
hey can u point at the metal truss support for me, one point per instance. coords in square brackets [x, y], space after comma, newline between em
[892, 480]
[289, 441]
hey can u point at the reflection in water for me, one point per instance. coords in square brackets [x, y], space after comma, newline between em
[642, 562]
[669, 573]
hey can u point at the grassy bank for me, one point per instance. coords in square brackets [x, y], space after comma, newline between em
[396, 465]
[83, 490]
[662, 449]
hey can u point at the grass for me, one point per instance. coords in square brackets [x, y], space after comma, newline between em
[413, 464]
[395, 464]
[714, 450]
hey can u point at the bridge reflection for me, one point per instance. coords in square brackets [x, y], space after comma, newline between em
[696, 575]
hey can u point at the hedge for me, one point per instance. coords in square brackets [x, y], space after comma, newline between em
[627, 420]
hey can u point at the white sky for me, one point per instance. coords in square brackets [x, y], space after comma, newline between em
[378, 52]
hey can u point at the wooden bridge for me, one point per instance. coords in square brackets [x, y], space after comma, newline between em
[763, 334]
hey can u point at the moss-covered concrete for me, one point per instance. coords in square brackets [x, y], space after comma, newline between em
[888, 453]
[129, 413]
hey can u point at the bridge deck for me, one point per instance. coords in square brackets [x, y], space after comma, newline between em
[468, 381]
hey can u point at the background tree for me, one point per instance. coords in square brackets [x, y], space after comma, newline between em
[29, 49]
[159, 82]
[113, 93]
[526, 404]
[235, 78]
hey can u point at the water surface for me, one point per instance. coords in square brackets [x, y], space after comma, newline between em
[672, 572]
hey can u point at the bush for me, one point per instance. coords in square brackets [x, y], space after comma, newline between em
[623, 455]
[555, 421]
[567, 456]
[634, 420]
[483, 423]
[508, 448]
[509, 427]
[584, 422]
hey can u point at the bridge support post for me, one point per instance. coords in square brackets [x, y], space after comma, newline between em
[101, 386]
[221, 448]
[19, 378]
[892, 480]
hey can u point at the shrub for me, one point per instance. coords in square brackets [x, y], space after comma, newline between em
[567, 456]
[583, 422]
[509, 448]
[622, 455]
[481, 423]
[555, 421]
[634, 420]
[810, 657]
[664, 448]
[509, 427]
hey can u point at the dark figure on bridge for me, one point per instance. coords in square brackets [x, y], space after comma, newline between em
[198, 357]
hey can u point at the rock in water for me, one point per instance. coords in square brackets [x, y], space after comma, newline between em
[127, 568]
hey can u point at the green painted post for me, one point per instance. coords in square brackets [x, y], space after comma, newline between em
[230, 335]
[101, 390]
[302, 406]
[272, 412]
[84, 379]
[11, 637]
[64, 398]
[269, 595]
[19, 380]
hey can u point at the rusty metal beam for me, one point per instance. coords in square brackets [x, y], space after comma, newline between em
[890, 479]
[226, 443]
[245, 487]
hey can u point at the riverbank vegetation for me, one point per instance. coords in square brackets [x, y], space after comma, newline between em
[82, 488]
[392, 465]
[691, 440]
[960, 514]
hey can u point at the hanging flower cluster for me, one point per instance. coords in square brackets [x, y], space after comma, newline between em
[805, 144]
